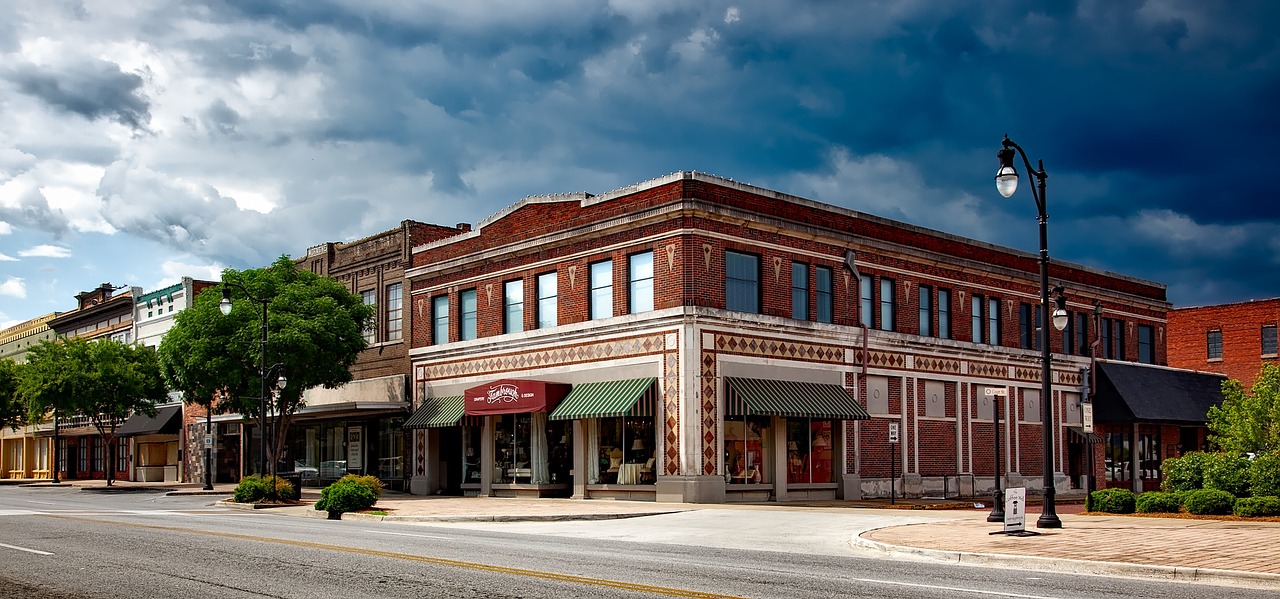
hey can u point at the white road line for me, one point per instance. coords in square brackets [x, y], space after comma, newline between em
[17, 513]
[405, 534]
[961, 589]
[35, 551]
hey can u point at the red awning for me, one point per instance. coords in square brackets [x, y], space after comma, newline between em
[514, 397]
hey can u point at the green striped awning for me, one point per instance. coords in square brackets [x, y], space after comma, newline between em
[795, 399]
[436, 412]
[632, 397]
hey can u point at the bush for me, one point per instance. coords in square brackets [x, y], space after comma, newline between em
[1227, 472]
[1209, 502]
[1264, 475]
[349, 494]
[1114, 501]
[1185, 473]
[1156, 502]
[1250, 507]
[254, 488]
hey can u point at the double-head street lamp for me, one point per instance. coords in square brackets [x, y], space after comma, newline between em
[1006, 184]
[263, 372]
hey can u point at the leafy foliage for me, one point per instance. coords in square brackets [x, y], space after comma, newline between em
[1114, 501]
[1248, 421]
[1157, 502]
[1251, 507]
[1209, 502]
[254, 488]
[314, 332]
[1264, 475]
[1227, 472]
[349, 494]
[1185, 473]
[12, 412]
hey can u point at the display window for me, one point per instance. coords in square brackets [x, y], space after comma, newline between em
[530, 450]
[747, 441]
[810, 454]
[624, 450]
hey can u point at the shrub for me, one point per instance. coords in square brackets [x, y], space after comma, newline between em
[1185, 473]
[1227, 472]
[349, 494]
[254, 488]
[373, 482]
[1250, 507]
[1114, 501]
[1209, 502]
[1157, 502]
[1264, 475]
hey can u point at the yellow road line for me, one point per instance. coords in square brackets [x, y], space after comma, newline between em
[599, 582]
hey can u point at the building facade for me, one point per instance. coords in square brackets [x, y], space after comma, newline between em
[1232, 339]
[23, 454]
[696, 339]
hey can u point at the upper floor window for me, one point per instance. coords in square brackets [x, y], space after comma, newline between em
[741, 282]
[370, 298]
[926, 311]
[822, 281]
[1117, 337]
[640, 273]
[1026, 330]
[1082, 334]
[1068, 335]
[993, 321]
[467, 315]
[1214, 340]
[799, 291]
[513, 306]
[865, 301]
[601, 300]
[944, 313]
[977, 326]
[395, 311]
[548, 298]
[440, 320]
[888, 305]
[1269, 340]
[1146, 344]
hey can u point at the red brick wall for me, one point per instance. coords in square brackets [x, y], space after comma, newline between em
[1241, 325]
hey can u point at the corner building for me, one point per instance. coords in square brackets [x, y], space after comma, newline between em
[695, 339]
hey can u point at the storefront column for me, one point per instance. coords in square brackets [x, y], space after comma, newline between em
[486, 458]
[433, 465]
[779, 427]
[850, 482]
[578, 439]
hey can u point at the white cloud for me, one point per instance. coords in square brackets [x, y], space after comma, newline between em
[46, 251]
[732, 15]
[5, 228]
[7, 258]
[174, 270]
[14, 287]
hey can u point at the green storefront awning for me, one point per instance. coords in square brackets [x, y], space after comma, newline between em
[631, 397]
[792, 399]
[436, 412]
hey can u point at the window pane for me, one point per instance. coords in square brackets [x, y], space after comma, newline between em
[513, 306]
[1082, 334]
[440, 320]
[865, 302]
[1025, 334]
[1214, 339]
[467, 315]
[747, 442]
[601, 299]
[944, 313]
[395, 322]
[1146, 353]
[799, 291]
[926, 312]
[993, 321]
[742, 282]
[1269, 341]
[548, 300]
[888, 301]
[977, 318]
[640, 295]
[823, 282]
[370, 298]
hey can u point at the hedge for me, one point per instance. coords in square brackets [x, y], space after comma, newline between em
[1227, 472]
[1209, 502]
[1264, 475]
[1113, 501]
[254, 488]
[1185, 473]
[1249, 507]
[350, 493]
[1157, 502]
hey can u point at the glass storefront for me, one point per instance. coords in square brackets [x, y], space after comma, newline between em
[748, 440]
[624, 451]
[810, 455]
[529, 450]
[319, 452]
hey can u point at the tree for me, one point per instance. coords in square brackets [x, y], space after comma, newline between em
[1248, 421]
[315, 327]
[104, 380]
[12, 412]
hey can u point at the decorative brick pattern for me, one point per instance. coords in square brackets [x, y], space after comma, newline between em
[988, 370]
[420, 453]
[557, 356]
[708, 412]
[940, 365]
[774, 348]
[671, 403]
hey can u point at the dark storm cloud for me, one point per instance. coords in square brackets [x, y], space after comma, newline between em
[32, 210]
[93, 89]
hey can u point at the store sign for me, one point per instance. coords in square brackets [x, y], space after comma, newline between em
[355, 448]
[1015, 509]
[514, 397]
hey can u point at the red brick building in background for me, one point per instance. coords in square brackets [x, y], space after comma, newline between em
[692, 338]
[1232, 339]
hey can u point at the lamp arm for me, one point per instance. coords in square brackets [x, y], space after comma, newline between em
[1039, 174]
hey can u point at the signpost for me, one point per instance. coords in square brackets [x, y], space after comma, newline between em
[997, 504]
[893, 462]
[1086, 416]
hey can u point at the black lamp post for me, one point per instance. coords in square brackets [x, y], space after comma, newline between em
[1006, 184]
[263, 371]
[208, 446]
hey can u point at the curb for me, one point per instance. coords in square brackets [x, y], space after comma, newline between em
[227, 503]
[127, 490]
[46, 485]
[1211, 576]
[181, 493]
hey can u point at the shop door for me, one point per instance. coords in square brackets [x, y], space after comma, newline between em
[228, 463]
[1075, 461]
[451, 456]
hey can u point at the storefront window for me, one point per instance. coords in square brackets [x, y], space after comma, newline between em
[624, 447]
[1117, 457]
[810, 455]
[523, 449]
[1148, 457]
[386, 449]
[746, 443]
[471, 454]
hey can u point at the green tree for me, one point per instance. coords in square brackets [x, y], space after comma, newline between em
[315, 329]
[12, 412]
[1248, 421]
[104, 380]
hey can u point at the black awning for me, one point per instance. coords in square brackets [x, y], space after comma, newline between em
[1129, 392]
[1086, 437]
[167, 421]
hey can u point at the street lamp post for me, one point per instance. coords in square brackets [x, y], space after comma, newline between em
[1006, 184]
[263, 371]
[208, 446]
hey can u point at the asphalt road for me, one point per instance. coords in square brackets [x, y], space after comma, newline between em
[60, 543]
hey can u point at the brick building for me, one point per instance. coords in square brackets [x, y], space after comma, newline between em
[692, 338]
[1232, 339]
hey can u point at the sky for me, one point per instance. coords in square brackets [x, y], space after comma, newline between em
[148, 140]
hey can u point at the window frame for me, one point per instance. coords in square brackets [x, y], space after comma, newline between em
[599, 295]
[548, 318]
[978, 323]
[866, 301]
[799, 290]
[513, 306]
[395, 311]
[824, 311]
[640, 287]
[924, 296]
[1272, 338]
[995, 324]
[440, 318]
[369, 297]
[1213, 338]
[730, 297]
[888, 314]
[468, 328]
[944, 324]
[1146, 349]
